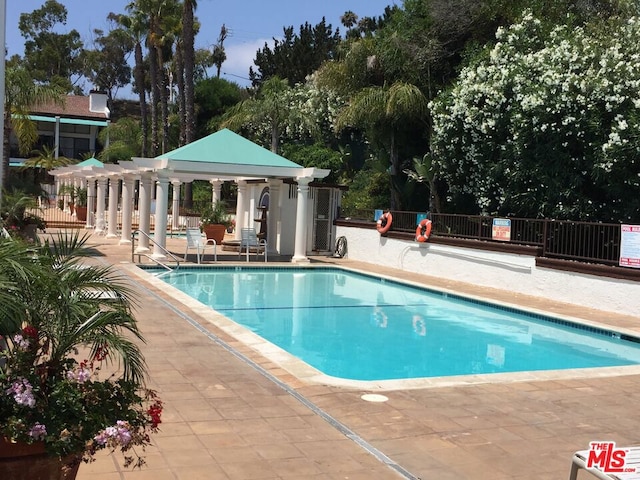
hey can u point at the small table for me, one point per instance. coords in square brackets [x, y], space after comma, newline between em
[632, 460]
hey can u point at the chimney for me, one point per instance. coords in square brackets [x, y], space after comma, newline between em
[98, 103]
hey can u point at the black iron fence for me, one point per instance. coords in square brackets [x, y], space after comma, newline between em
[582, 241]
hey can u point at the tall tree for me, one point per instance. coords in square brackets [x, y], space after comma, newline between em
[297, 55]
[106, 65]
[218, 54]
[136, 25]
[188, 56]
[270, 106]
[51, 57]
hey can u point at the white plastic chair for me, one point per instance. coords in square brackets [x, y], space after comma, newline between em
[197, 241]
[249, 241]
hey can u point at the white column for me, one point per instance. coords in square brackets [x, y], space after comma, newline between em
[91, 203]
[300, 249]
[112, 230]
[175, 206]
[100, 198]
[241, 208]
[252, 206]
[273, 217]
[144, 210]
[127, 209]
[215, 190]
[160, 230]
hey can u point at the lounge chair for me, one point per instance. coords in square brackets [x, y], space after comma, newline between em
[197, 241]
[249, 243]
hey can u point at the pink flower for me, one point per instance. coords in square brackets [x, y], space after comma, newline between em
[38, 431]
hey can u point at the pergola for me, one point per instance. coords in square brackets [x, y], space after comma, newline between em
[219, 157]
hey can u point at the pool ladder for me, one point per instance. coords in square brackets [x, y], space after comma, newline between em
[150, 257]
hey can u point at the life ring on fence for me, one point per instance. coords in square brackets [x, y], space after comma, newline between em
[384, 223]
[424, 230]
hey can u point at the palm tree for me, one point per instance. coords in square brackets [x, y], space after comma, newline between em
[383, 111]
[136, 24]
[423, 173]
[188, 58]
[71, 307]
[349, 19]
[21, 95]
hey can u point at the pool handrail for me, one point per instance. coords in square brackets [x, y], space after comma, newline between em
[164, 250]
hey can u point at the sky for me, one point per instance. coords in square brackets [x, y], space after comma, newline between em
[250, 23]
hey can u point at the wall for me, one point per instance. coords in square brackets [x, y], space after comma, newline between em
[516, 273]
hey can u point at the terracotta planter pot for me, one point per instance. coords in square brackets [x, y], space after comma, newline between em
[20, 461]
[215, 231]
[81, 214]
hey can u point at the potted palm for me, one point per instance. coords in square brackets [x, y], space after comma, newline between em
[81, 204]
[214, 221]
[72, 377]
[19, 216]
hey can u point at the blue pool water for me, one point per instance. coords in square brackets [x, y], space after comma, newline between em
[360, 327]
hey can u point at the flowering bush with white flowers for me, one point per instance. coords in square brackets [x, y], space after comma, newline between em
[547, 124]
[52, 317]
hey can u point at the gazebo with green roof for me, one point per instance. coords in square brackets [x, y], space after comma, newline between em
[227, 156]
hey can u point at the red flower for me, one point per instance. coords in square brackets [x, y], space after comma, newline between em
[30, 331]
[155, 411]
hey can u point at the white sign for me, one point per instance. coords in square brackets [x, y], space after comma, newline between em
[630, 246]
[501, 229]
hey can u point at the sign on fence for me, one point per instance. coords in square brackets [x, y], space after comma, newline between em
[501, 229]
[630, 246]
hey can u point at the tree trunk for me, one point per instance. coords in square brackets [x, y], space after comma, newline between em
[6, 150]
[188, 57]
[155, 100]
[395, 168]
[142, 98]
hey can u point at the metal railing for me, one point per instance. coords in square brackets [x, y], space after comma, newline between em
[562, 239]
[150, 257]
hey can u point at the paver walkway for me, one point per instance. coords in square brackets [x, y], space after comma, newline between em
[226, 419]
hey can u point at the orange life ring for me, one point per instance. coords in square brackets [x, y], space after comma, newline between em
[384, 223]
[423, 231]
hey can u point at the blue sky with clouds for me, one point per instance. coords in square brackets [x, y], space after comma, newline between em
[251, 23]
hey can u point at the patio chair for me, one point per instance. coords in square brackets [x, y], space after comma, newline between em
[197, 241]
[249, 242]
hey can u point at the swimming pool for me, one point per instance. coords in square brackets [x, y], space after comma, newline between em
[355, 326]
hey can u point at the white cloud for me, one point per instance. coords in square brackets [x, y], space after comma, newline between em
[239, 58]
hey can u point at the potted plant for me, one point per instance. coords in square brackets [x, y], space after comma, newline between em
[81, 204]
[72, 377]
[214, 221]
[18, 217]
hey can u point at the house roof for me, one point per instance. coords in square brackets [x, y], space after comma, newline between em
[75, 106]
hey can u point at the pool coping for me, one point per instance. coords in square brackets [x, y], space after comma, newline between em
[310, 375]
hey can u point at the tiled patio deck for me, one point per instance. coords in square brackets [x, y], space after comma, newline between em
[232, 414]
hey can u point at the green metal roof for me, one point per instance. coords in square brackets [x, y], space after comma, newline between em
[228, 147]
[91, 162]
[72, 121]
